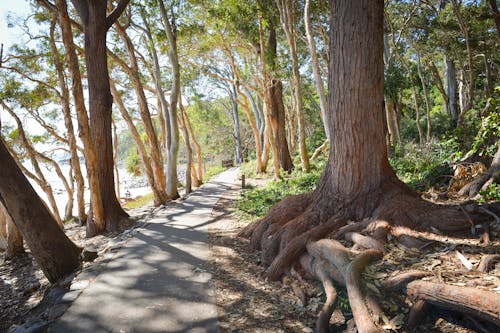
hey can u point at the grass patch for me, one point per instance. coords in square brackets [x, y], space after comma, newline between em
[139, 201]
[256, 203]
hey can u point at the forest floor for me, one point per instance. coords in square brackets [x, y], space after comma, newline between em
[248, 302]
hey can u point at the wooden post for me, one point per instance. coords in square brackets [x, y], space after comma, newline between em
[242, 181]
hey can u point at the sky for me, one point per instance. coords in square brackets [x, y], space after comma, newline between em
[14, 9]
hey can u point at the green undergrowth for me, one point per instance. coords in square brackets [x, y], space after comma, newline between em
[492, 193]
[255, 203]
[422, 167]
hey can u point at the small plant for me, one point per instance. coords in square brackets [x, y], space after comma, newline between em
[212, 171]
[133, 162]
[492, 193]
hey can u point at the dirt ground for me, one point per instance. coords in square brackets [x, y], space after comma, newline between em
[248, 302]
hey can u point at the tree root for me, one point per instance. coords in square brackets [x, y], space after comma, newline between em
[302, 230]
[472, 301]
[400, 281]
[366, 242]
[360, 312]
[296, 247]
[323, 321]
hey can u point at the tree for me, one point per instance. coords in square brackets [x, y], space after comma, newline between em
[172, 150]
[358, 183]
[56, 254]
[287, 18]
[96, 24]
[10, 234]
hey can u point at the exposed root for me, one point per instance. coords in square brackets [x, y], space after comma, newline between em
[297, 246]
[302, 230]
[472, 301]
[325, 314]
[359, 309]
[399, 281]
[366, 242]
[284, 211]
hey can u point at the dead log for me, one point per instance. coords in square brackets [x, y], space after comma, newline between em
[472, 301]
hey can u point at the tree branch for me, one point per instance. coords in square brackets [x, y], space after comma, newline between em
[115, 14]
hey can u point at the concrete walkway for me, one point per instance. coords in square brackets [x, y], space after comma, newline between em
[160, 280]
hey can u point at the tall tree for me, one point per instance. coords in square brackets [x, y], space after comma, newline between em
[318, 81]
[68, 122]
[171, 118]
[96, 24]
[56, 254]
[358, 182]
[288, 22]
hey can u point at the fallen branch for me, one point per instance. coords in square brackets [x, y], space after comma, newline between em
[471, 301]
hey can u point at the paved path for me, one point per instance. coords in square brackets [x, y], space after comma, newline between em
[159, 281]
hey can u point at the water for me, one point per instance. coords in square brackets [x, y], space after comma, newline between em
[137, 186]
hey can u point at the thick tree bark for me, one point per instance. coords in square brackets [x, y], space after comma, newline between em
[472, 301]
[96, 25]
[53, 251]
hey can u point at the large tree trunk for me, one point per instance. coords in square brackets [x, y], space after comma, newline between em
[96, 25]
[53, 251]
[358, 182]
